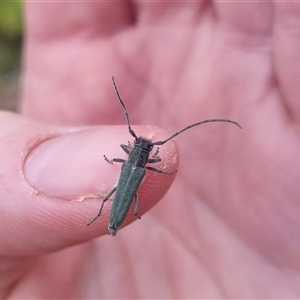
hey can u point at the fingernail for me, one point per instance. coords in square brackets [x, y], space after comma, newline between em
[72, 165]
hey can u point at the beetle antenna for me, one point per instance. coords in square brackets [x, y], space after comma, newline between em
[124, 108]
[194, 125]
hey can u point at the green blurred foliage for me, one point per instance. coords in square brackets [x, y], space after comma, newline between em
[10, 19]
[11, 24]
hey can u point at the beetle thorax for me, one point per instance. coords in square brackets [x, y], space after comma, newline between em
[143, 144]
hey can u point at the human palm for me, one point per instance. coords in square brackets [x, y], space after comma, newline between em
[231, 217]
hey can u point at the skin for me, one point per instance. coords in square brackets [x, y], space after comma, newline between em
[229, 225]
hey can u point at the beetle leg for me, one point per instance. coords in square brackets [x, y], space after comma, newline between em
[154, 158]
[126, 148]
[103, 201]
[160, 171]
[110, 161]
[156, 152]
[136, 206]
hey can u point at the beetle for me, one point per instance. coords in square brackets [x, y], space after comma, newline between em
[134, 169]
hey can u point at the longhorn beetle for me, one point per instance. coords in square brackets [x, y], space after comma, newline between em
[134, 169]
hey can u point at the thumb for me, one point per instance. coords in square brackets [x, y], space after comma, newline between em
[44, 169]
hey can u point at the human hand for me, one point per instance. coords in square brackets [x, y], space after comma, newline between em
[229, 219]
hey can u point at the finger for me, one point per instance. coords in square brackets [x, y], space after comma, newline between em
[239, 53]
[175, 13]
[53, 20]
[68, 60]
[44, 170]
[287, 54]
[246, 20]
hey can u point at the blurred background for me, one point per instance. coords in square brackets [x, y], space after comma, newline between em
[11, 29]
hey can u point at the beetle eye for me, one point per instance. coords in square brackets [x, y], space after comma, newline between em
[137, 142]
